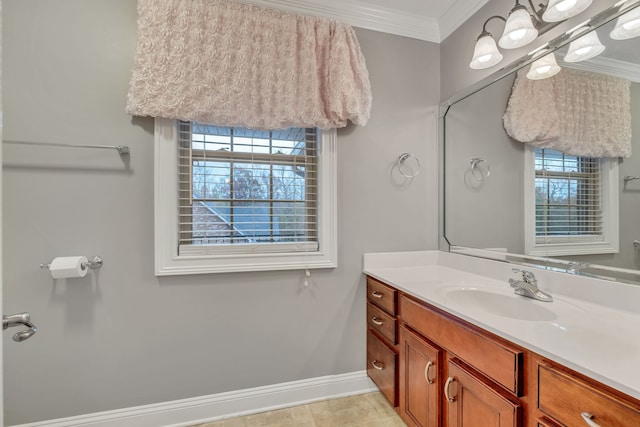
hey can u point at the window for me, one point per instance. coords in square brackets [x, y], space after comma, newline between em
[234, 199]
[571, 204]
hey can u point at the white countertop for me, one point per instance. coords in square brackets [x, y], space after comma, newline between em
[592, 326]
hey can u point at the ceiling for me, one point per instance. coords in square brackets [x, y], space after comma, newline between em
[429, 20]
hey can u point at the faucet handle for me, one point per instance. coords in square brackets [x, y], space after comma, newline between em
[527, 275]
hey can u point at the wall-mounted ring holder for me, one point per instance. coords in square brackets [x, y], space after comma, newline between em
[408, 165]
[480, 169]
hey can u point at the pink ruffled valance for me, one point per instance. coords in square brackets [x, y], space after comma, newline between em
[232, 64]
[576, 112]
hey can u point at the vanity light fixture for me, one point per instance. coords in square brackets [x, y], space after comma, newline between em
[627, 26]
[522, 26]
[544, 67]
[586, 47]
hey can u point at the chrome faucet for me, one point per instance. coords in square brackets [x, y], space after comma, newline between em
[528, 286]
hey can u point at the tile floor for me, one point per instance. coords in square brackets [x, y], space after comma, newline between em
[365, 410]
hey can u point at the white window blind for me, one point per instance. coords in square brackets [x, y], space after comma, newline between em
[244, 190]
[568, 202]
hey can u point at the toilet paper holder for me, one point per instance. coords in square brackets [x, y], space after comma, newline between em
[92, 263]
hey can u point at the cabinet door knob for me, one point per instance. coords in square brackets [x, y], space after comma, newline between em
[377, 365]
[376, 294]
[376, 321]
[426, 372]
[588, 418]
[446, 389]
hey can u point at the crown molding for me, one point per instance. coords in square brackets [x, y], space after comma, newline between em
[357, 14]
[457, 14]
[608, 66]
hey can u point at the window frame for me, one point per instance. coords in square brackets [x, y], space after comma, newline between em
[578, 246]
[169, 262]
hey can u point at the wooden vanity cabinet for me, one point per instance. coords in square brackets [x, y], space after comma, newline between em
[382, 351]
[443, 371]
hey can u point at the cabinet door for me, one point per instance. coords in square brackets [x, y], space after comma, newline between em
[381, 367]
[473, 403]
[419, 381]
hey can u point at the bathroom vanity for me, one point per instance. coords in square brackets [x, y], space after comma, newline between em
[449, 344]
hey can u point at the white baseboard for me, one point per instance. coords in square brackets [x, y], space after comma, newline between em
[186, 412]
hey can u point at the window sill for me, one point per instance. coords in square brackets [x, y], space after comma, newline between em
[566, 249]
[184, 265]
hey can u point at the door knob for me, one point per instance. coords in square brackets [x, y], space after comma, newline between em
[17, 320]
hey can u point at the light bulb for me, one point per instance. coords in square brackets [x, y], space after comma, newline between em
[517, 34]
[583, 50]
[632, 25]
[565, 5]
[543, 69]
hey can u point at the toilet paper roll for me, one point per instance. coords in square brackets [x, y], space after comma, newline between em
[68, 266]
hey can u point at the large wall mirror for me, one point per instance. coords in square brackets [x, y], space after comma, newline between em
[535, 203]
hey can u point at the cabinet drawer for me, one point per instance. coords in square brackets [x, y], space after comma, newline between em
[381, 367]
[565, 398]
[497, 361]
[381, 322]
[382, 295]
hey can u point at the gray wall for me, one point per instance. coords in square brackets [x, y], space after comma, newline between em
[483, 211]
[122, 337]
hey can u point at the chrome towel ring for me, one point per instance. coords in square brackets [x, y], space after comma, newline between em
[480, 169]
[408, 165]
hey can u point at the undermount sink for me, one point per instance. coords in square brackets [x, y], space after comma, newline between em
[506, 304]
[515, 307]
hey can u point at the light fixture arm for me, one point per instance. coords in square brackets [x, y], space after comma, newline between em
[484, 27]
[541, 25]
[537, 14]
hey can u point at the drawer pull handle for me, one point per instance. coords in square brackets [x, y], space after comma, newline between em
[376, 294]
[376, 321]
[426, 372]
[377, 365]
[446, 389]
[588, 418]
